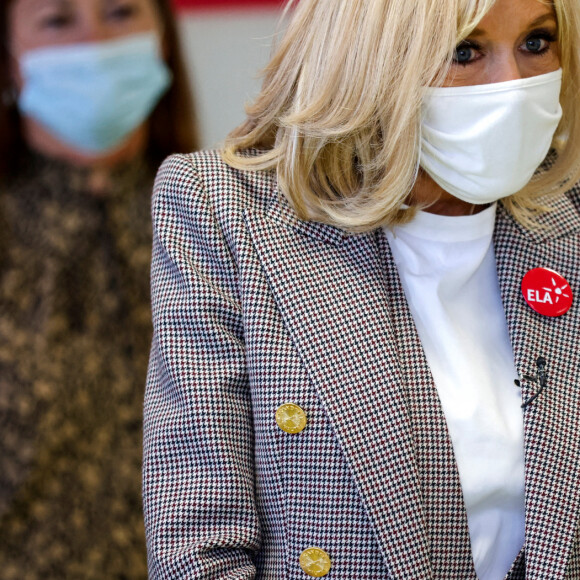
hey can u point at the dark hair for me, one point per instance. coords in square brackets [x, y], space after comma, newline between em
[173, 127]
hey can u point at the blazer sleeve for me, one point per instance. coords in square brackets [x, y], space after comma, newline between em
[198, 478]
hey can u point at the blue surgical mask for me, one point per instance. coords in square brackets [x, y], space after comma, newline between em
[92, 96]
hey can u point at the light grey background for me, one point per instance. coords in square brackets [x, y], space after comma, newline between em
[224, 53]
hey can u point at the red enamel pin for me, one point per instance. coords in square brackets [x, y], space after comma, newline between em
[547, 292]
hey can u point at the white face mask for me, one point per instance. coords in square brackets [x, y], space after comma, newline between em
[484, 142]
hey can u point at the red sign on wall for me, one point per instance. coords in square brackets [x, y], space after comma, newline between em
[220, 4]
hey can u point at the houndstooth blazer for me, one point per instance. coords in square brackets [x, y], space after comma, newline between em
[254, 308]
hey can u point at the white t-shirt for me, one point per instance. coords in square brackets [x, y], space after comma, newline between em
[447, 269]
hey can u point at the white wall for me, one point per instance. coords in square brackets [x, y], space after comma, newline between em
[224, 52]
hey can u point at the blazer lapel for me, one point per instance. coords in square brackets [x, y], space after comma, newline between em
[551, 435]
[449, 542]
[331, 294]
[344, 307]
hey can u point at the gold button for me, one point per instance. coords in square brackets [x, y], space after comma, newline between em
[315, 562]
[291, 418]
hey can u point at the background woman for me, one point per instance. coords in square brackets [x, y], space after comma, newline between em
[93, 98]
[339, 315]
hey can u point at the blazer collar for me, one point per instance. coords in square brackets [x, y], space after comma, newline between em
[282, 214]
[561, 219]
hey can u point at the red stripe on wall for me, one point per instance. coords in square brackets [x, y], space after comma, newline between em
[219, 4]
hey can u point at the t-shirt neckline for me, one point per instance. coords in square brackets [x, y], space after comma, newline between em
[450, 229]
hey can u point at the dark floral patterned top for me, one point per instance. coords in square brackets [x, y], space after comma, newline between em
[74, 341]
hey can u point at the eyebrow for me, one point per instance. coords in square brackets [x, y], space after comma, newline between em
[42, 3]
[537, 22]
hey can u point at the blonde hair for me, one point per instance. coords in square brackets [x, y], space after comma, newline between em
[339, 113]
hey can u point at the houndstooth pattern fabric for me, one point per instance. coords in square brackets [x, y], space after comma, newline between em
[254, 308]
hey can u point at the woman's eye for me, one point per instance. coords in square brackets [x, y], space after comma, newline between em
[535, 44]
[55, 21]
[539, 44]
[122, 11]
[464, 54]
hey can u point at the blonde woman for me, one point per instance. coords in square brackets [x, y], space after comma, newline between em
[365, 361]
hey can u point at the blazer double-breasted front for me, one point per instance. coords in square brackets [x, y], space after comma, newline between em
[254, 309]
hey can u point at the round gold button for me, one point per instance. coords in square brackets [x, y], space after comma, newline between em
[290, 418]
[315, 562]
